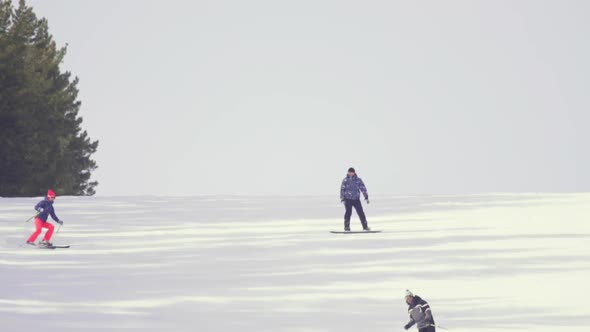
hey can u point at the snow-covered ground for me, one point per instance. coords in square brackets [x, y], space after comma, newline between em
[216, 263]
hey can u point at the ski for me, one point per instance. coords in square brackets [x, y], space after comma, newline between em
[53, 247]
[44, 247]
[58, 247]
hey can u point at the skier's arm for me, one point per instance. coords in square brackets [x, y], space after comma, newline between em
[39, 207]
[426, 309]
[410, 324]
[52, 212]
[427, 312]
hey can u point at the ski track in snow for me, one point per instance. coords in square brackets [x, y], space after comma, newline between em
[498, 262]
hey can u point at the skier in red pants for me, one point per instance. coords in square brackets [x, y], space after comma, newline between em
[44, 209]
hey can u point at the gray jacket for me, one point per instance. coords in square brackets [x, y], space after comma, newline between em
[420, 313]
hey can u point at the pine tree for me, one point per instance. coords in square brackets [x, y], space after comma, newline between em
[42, 144]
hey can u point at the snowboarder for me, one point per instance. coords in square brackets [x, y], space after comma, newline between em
[420, 313]
[44, 209]
[350, 195]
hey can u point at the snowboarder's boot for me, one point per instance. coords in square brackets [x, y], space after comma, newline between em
[31, 243]
[45, 244]
[365, 223]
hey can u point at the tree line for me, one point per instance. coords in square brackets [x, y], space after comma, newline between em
[42, 144]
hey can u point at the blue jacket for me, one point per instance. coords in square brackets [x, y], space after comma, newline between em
[45, 208]
[351, 188]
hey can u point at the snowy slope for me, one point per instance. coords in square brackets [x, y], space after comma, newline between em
[213, 263]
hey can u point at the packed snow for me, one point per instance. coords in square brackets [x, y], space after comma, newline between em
[497, 262]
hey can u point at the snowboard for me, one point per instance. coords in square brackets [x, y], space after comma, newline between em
[353, 232]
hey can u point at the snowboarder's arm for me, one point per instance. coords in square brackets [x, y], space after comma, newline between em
[363, 189]
[342, 189]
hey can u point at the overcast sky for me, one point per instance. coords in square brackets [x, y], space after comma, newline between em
[281, 97]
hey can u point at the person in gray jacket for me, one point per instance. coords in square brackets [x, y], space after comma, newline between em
[420, 313]
[350, 195]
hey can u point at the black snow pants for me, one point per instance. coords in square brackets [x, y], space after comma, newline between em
[427, 329]
[356, 203]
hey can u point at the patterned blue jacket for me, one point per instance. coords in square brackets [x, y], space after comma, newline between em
[351, 188]
[45, 208]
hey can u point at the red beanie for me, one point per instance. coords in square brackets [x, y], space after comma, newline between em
[50, 193]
